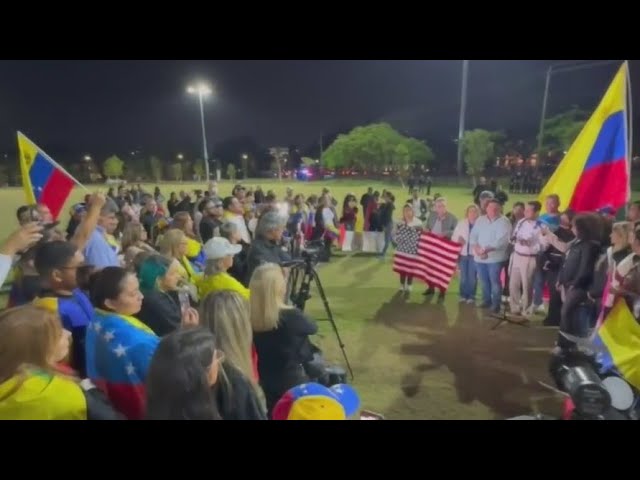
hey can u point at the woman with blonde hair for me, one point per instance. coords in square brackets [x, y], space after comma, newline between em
[174, 244]
[134, 241]
[195, 254]
[238, 394]
[281, 334]
[33, 383]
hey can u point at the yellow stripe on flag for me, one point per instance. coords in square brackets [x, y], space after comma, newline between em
[620, 333]
[564, 180]
[27, 151]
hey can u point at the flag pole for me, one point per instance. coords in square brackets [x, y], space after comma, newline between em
[630, 132]
[56, 164]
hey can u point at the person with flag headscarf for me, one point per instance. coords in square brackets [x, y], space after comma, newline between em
[119, 346]
[33, 384]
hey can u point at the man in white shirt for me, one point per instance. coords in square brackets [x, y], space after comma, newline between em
[526, 246]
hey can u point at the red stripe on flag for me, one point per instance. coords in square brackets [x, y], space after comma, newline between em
[436, 262]
[56, 191]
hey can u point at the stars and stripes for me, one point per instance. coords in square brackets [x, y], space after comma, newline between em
[426, 256]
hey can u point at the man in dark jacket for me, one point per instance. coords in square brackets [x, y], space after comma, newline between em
[267, 245]
[211, 220]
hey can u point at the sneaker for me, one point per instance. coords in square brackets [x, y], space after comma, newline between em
[429, 291]
[471, 301]
[540, 309]
[408, 288]
[441, 296]
[463, 300]
[402, 288]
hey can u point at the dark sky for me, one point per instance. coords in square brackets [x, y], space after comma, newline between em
[103, 106]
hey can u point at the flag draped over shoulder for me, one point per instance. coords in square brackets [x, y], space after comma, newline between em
[44, 181]
[595, 170]
[425, 256]
[619, 340]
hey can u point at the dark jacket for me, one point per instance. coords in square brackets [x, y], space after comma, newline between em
[239, 268]
[282, 353]
[209, 228]
[579, 265]
[264, 251]
[386, 214]
[237, 400]
[160, 312]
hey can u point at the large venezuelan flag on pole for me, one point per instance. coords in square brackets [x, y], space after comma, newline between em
[595, 171]
[43, 180]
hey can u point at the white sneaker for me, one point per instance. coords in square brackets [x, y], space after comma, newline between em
[462, 300]
[471, 301]
[408, 288]
[541, 309]
[402, 288]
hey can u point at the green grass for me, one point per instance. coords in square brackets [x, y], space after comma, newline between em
[412, 359]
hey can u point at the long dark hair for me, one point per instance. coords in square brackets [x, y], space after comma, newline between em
[177, 382]
[107, 285]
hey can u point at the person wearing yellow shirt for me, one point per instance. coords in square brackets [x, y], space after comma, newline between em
[219, 252]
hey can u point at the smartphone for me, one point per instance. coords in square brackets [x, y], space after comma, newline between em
[368, 415]
[185, 303]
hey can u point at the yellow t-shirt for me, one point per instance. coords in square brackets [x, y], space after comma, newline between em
[221, 281]
[42, 396]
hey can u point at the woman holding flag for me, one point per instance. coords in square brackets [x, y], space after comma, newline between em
[403, 239]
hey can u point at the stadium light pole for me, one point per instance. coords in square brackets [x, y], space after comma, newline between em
[463, 112]
[202, 90]
[562, 68]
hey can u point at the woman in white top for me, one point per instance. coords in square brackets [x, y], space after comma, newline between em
[408, 220]
[468, 273]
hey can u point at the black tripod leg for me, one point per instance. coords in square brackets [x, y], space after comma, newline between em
[333, 323]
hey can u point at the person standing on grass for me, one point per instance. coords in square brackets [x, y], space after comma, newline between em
[489, 241]
[468, 271]
[386, 220]
[408, 220]
[442, 223]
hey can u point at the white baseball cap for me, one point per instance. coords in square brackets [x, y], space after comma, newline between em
[219, 247]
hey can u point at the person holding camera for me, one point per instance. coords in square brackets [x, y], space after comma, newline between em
[267, 246]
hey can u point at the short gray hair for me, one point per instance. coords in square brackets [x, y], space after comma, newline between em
[109, 208]
[227, 229]
[269, 222]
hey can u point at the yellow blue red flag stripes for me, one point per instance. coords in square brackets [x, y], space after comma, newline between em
[595, 171]
[619, 340]
[43, 180]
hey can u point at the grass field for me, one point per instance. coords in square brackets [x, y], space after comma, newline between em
[412, 359]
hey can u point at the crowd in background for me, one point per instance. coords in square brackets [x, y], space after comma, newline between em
[146, 308]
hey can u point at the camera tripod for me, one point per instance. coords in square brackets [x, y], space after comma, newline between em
[304, 273]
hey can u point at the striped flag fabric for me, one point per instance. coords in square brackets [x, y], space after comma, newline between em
[425, 256]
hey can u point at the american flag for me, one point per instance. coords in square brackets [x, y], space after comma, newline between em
[425, 256]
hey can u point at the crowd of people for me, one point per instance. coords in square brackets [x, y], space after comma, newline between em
[520, 256]
[146, 309]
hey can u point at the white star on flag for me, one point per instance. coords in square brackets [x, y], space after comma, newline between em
[120, 350]
[109, 336]
[97, 327]
[130, 369]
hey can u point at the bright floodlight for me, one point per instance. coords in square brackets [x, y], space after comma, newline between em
[199, 89]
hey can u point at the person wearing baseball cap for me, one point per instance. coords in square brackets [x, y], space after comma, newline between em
[312, 401]
[219, 253]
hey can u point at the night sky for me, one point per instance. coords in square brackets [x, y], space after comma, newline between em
[115, 106]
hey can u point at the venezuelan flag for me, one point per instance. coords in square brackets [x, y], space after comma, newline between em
[595, 171]
[44, 181]
[619, 340]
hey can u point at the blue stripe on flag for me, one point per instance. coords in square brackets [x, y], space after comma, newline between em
[39, 174]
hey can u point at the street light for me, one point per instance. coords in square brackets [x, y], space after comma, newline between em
[87, 158]
[202, 91]
[180, 156]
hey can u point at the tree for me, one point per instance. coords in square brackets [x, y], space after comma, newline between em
[231, 171]
[156, 168]
[308, 162]
[176, 171]
[478, 149]
[113, 167]
[419, 152]
[198, 169]
[561, 130]
[280, 156]
[401, 161]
